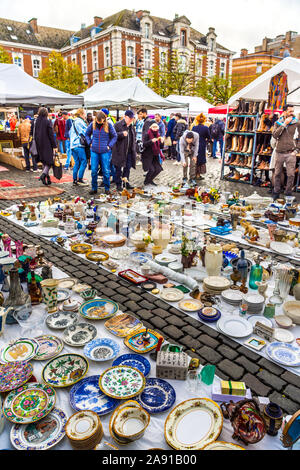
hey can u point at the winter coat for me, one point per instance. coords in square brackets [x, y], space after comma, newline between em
[170, 130]
[162, 128]
[24, 131]
[69, 124]
[147, 155]
[45, 140]
[221, 129]
[204, 137]
[60, 124]
[81, 128]
[100, 139]
[179, 128]
[147, 123]
[121, 149]
[183, 146]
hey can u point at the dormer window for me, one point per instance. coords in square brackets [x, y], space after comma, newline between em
[183, 37]
[9, 28]
[147, 30]
[212, 44]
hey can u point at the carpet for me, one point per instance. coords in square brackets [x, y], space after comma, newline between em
[64, 179]
[29, 193]
[2, 168]
[8, 184]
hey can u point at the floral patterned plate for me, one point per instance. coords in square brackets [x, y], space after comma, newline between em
[79, 334]
[134, 360]
[62, 295]
[29, 403]
[41, 435]
[49, 346]
[65, 370]
[122, 325]
[61, 320]
[98, 309]
[14, 374]
[193, 424]
[122, 382]
[22, 349]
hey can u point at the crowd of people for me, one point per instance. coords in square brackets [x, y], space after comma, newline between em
[111, 148]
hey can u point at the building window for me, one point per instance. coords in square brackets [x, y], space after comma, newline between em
[147, 81]
[259, 67]
[107, 57]
[147, 30]
[36, 66]
[163, 59]
[199, 67]
[212, 44]
[73, 58]
[95, 59]
[147, 59]
[130, 56]
[183, 37]
[182, 63]
[18, 60]
[211, 67]
[84, 64]
[222, 70]
[95, 78]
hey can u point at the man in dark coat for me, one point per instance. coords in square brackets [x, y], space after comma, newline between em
[204, 138]
[45, 143]
[170, 133]
[124, 152]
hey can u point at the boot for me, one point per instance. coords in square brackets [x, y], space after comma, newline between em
[246, 145]
[251, 105]
[245, 126]
[242, 107]
[241, 143]
[250, 148]
[262, 122]
[236, 161]
[237, 175]
[234, 144]
[235, 125]
[262, 107]
[256, 107]
[247, 106]
[249, 163]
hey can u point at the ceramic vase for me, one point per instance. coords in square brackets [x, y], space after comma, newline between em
[161, 235]
[273, 417]
[17, 298]
[49, 287]
[213, 259]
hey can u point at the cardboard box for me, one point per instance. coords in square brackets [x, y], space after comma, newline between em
[170, 365]
[233, 388]
[217, 394]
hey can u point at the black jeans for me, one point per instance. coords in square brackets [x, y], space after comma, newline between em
[27, 157]
[123, 172]
[154, 169]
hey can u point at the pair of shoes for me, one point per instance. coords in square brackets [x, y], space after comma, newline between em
[28, 171]
[92, 192]
[42, 178]
[80, 182]
[75, 183]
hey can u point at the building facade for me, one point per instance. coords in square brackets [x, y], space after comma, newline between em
[135, 41]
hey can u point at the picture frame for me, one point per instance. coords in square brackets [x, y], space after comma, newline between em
[255, 343]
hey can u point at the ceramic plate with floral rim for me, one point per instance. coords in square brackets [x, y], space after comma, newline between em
[65, 370]
[221, 445]
[190, 305]
[29, 403]
[14, 374]
[49, 347]
[134, 360]
[98, 309]
[23, 349]
[61, 320]
[193, 424]
[41, 435]
[101, 349]
[136, 342]
[158, 396]
[62, 295]
[122, 325]
[97, 256]
[122, 382]
[67, 283]
[80, 334]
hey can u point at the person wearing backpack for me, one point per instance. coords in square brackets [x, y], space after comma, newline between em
[217, 131]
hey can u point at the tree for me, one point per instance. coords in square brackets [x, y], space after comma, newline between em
[216, 90]
[62, 75]
[118, 73]
[5, 58]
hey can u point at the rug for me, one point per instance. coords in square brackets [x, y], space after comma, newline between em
[64, 179]
[2, 168]
[8, 184]
[29, 193]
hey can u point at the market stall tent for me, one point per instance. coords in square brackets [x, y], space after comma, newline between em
[121, 94]
[18, 88]
[196, 105]
[259, 88]
[220, 109]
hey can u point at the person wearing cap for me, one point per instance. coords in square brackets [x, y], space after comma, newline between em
[124, 152]
[152, 143]
[188, 147]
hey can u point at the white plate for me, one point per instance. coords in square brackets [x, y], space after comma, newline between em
[281, 248]
[48, 231]
[172, 295]
[254, 300]
[232, 296]
[216, 282]
[235, 326]
[283, 336]
[255, 318]
[165, 259]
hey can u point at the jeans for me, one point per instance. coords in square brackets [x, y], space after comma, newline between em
[80, 163]
[68, 152]
[126, 170]
[221, 143]
[178, 157]
[290, 160]
[113, 172]
[27, 158]
[61, 145]
[104, 159]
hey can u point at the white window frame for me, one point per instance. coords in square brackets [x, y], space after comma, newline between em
[147, 60]
[211, 67]
[84, 62]
[163, 58]
[74, 58]
[183, 34]
[107, 56]
[147, 30]
[130, 59]
[36, 70]
[95, 58]
[95, 77]
[182, 63]
[199, 66]
[259, 66]
[223, 69]
[18, 59]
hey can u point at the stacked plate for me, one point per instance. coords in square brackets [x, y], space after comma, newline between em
[232, 297]
[215, 284]
[255, 303]
[84, 430]
[209, 314]
[128, 422]
[235, 326]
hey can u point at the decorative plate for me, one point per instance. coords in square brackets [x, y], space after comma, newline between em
[281, 248]
[221, 445]
[255, 318]
[114, 239]
[209, 312]
[122, 382]
[165, 259]
[80, 287]
[97, 256]
[235, 326]
[65, 370]
[123, 325]
[86, 395]
[217, 282]
[41, 435]
[81, 248]
[49, 346]
[66, 283]
[157, 396]
[283, 321]
[192, 305]
[232, 296]
[140, 257]
[127, 404]
[207, 319]
[193, 424]
[70, 305]
[134, 360]
[101, 349]
[83, 426]
[22, 349]
[98, 309]
[48, 231]
[29, 403]
[171, 294]
[61, 320]
[14, 374]
[136, 342]
[283, 336]
[62, 295]
[79, 334]
[284, 353]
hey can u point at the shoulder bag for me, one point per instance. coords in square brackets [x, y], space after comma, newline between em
[57, 167]
[32, 146]
[82, 138]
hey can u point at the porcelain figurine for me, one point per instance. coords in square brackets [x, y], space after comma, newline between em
[3, 314]
[19, 248]
[262, 288]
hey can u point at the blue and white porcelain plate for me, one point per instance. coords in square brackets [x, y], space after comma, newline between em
[157, 396]
[101, 349]
[284, 353]
[134, 360]
[86, 395]
[140, 257]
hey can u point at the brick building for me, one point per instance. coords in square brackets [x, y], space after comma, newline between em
[136, 40]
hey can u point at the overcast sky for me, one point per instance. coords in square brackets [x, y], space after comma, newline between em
[238, 23]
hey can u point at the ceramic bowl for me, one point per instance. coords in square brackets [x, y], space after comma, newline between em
[131, 423]
[88, 294]
[283, 321]
[292, 310]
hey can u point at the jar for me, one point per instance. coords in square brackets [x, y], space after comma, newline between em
[273, 417]
[213, 259]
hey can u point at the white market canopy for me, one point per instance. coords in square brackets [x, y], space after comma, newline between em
[196, 105]
[259, 88]
[120, 94]
[17, 88]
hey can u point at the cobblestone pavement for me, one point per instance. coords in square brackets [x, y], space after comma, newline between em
[233, 361]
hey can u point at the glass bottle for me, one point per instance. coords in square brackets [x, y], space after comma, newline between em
[256, 275]
[242, 266]
[34, 290]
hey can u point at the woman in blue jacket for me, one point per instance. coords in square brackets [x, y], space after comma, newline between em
[101, 135]
[78, 130]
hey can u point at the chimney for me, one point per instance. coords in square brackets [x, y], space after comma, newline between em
[34, 25]
[244, 52]
[97, 20]
[139, 14]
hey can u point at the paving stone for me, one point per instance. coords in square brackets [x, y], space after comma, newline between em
[250, 366]
[173, 320]
[292, 392]
[131, 305]
[270, 366]
[173, 332]
[229, 342]
[146, 304]
[161, 313]
[124, 291]
[208, 341]
[193, 354]
[160, 303]
[221, 374]
[255, 385]
[249, 354]
[147, 296]
[144, 314]
[210, 355]
[190, 330]
[227, 351]
[192, 321]
[112, 285]
[75, 262]
[180, 314]
[119, 298]
[271, 379]
[107, 291]
[100, 278]
[147, 325]
[209, 331]
[89, 280]
[230, 368]
[289, 377]
[287, 405]
[190, 342]
[158, 322]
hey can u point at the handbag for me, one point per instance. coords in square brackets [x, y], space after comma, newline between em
[82, 138]
[168, 141]
[57, 167]
[32, 146]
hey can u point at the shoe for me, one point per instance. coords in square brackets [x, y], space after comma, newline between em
[184, 181]
[201, 178]
[66, 167]
[193, 183]
[27, 171]
[138, 163]
[153, 184]
[82, 183]
[246, 145]
[128, 186]
[276, 196]
[35, 171]
[92, 192]
[75, 183]
[48, 180]
[107, 191]
[42, 178]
